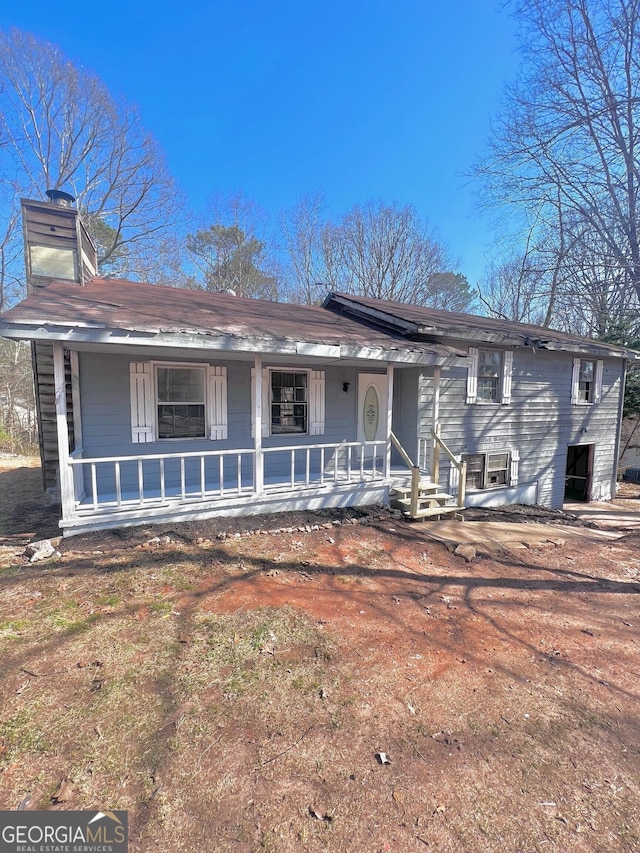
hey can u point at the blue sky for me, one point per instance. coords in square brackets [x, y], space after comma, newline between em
[360, 99]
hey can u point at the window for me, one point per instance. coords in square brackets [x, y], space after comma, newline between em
[289, 402]
[293, 402]
[489, 376]
[177, 401]
[181, 402]
[490, 470]
[53, 262]
[586, 381]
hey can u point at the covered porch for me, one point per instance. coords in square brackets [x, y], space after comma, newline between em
[162, 480]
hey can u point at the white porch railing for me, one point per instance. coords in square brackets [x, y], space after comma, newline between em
[108, 483]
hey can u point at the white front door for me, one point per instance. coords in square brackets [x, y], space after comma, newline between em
[372, 407]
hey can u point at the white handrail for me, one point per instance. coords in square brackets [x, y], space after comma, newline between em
[144, 457]
[146, 486]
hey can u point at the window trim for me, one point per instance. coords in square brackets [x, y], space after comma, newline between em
[316, 402]
[595, 391]
[505, 370]
[307, 403]
[143, 391]
[156, 401]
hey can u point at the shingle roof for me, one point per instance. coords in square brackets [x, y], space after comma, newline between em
[419, 322]
[141, 307]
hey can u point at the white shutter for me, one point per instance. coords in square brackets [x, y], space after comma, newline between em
[142, 402]
[266, 408]
[217, 402]
[597, 387]
[507, 369]
[454, 478]
[575, 379]
[472, 376]
[316, 402]
[515, 464]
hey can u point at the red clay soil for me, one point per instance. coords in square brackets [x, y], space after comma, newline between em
[503, 691]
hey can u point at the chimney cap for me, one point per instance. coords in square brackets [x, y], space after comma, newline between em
[60, 197]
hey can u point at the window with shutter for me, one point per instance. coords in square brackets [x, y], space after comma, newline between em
[293, 402]
[489, 375]
[586, 381]
[171, 401]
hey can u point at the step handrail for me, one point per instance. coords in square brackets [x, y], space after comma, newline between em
[415, 473]
[460, 464]
[403, 453]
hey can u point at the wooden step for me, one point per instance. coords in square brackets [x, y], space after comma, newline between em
[423, 486]
[422, 499]
[432, 511]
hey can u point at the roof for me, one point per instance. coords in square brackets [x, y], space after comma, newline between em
[174, 316]
[417, 322]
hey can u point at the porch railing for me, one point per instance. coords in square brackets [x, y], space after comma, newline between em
[129, 482]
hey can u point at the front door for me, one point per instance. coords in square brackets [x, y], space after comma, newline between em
[372, 407]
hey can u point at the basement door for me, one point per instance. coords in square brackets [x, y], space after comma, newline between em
[579, 472]
[372, 408]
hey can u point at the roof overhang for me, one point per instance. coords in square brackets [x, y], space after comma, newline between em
[188, 339]
[509, 336]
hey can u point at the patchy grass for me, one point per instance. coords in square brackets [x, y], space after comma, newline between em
[233, 695]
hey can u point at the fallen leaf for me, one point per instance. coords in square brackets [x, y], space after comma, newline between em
[64, 792]
[319, 816]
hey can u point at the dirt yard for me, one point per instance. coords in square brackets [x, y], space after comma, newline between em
[354, 687]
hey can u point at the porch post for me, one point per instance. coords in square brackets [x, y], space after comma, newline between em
[258, 469]
[387, 460]
[67, 492]
[435, 456]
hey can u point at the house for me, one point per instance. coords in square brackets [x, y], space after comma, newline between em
[158, 403]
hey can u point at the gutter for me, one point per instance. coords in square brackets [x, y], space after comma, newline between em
[82, 333]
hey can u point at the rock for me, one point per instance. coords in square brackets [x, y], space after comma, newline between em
[41, 550]
[466, 551]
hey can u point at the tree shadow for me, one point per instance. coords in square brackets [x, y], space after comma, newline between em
[24, 516]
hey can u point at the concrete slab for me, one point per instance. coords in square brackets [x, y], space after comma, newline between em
[619, 514]
[488, 536]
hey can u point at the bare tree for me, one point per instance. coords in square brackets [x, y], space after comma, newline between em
[60, 128]
[18, 431]
[11, 261]
[563, 156]
[376, 249]
[237, 252]
[302, 234]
